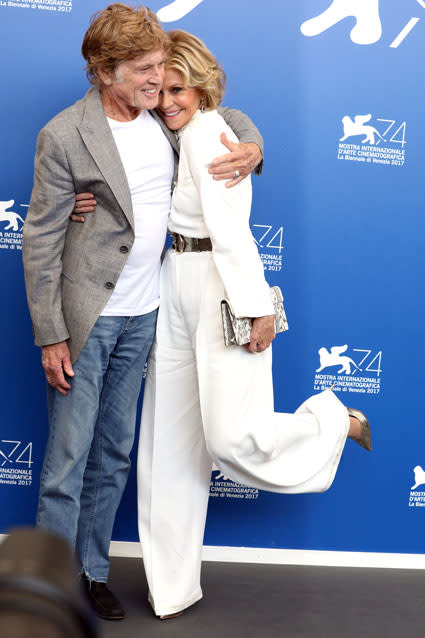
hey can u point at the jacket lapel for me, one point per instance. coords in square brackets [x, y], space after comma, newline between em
[97, 136]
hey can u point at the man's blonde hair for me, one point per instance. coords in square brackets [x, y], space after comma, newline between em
[119, 33]
[200, 69]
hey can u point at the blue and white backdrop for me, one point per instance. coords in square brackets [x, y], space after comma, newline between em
[337, 90]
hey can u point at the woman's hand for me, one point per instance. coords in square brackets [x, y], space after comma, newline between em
[84, 203]
[262, 334]
[241, 160]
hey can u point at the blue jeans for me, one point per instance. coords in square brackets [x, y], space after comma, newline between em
[91, 435]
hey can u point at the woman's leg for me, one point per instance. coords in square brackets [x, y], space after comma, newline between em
[248, 441]
[174, 469]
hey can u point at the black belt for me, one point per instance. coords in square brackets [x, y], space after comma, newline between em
[182, 244]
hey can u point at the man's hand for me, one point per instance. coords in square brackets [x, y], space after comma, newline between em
[56, 362]
[262, 334]
[84, 203]
[242, 158]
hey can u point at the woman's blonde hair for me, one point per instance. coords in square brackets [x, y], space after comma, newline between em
[200, 69]
[119, 33]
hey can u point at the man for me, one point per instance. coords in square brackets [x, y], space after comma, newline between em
[93, 288]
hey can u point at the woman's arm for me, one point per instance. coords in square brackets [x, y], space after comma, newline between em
[226, 216]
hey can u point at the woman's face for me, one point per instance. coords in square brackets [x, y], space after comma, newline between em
[177, 104]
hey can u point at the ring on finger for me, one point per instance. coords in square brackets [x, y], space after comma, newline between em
[237, 174]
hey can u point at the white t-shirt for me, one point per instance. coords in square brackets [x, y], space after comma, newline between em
[148, 162]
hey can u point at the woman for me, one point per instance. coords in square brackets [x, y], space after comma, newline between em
[205, 403]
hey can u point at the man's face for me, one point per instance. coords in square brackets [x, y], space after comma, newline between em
[137, 82]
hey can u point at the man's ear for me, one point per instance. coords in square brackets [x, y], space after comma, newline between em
[105, 77]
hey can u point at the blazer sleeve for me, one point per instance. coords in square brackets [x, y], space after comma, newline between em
[226, 215]
[244, 129]
[45, 227]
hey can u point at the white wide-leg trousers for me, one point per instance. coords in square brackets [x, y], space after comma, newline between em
[204, 404]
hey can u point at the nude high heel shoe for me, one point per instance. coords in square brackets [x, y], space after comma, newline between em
[168, 616]
[365, 439]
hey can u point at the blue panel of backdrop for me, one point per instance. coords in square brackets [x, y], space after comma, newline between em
[337, 90]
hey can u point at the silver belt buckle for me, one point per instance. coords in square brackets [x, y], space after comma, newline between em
[179, 243]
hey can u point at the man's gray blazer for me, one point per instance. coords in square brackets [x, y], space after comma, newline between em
[71, 269]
